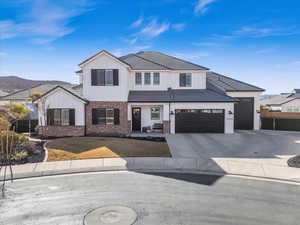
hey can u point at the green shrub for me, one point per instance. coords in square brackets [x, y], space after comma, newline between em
[11, 143]
[20, 155]
[20, 110]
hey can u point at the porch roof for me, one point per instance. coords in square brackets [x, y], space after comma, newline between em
[179, 95]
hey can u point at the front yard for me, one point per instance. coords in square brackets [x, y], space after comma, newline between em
[104, 147]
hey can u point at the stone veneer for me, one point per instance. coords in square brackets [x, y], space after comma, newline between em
[166, 127]
[61, 131]
[101, 129]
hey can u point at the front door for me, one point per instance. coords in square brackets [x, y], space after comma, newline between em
[244, 114]
[136, 119]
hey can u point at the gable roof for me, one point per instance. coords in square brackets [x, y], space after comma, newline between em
[3, 93]
[100, 53]
[73, 91]
[280, 99]
[40, 88]
[158, 61]
[223, 83]
[179, 95]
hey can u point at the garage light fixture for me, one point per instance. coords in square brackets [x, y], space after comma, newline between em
[230, 112]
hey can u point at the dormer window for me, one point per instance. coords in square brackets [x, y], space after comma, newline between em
[138, 78]
[156, 78]
[147, 78]
[105, 77]
[185, 80]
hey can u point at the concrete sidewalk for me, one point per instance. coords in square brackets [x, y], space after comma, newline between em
[249, 167]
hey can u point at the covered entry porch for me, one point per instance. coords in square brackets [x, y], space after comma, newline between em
[149, 117]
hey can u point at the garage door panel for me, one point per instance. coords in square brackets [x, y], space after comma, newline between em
[199, 121]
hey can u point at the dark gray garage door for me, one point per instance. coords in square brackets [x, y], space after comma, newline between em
[243, 114]
[199, 121]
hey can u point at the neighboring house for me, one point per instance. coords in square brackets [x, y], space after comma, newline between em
[24, 97]
[3, 93]
[285, 102]
[148, 91]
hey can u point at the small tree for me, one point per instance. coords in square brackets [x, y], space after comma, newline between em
[35, 95]
[19, 110]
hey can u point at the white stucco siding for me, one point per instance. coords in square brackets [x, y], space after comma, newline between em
[291, 106]
[61, 99]
[169, 79]
[105, 93]
[252, 94]
[228, 118]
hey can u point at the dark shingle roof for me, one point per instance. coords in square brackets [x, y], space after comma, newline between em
[138, 63]
[223, 83]
[159, 61]
[41, 88]
[176, 95]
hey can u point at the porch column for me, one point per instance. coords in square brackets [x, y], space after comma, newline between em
[166, 118]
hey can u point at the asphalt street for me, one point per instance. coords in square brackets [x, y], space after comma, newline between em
[158, 198]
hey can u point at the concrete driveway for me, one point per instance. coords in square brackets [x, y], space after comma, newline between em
[241, 145]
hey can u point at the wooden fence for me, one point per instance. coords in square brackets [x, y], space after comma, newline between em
[289, 121]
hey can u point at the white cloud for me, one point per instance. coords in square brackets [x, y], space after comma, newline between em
[178, 26]
[137, 23]
[3, 53]
[154, 28]
[202, 6]
[45, 22]
[191, 55]
[257, 32]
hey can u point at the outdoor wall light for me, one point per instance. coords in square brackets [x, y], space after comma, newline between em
[172, 113]
[230, 112]
[258, 111]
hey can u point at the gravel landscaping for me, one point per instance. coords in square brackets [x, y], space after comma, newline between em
[294, 161]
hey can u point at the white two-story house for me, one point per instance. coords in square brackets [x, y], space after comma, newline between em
[147, 92]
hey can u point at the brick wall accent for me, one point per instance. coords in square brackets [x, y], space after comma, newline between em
[166, 127]
[61, 131]
[265, 113]
[101, 129]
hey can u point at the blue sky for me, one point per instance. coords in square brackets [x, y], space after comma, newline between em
[250, 40]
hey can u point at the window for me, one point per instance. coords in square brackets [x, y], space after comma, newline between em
[185, 80]
[138, 78]
[156, 78]
[155, 113]
[60, 117]
[103, 77]
[147, 78]
[105, 116]
[109, 79]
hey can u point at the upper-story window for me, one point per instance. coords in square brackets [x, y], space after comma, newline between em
[185, 80]
[105, 77]
[156, 78]
[138, 78]
[147, 78]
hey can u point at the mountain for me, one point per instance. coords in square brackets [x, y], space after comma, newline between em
[14, 83]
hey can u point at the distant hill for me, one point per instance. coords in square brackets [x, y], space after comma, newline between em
[14, 83]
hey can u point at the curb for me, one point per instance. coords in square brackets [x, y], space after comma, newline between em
[20, 176]
[46, 151]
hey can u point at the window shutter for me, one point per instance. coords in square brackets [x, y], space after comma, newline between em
[94, 77]
[72, 117]
[116, 116]
[101, 77]
[182, 80]
[50, 117]
[94, 116]
[116, 77]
